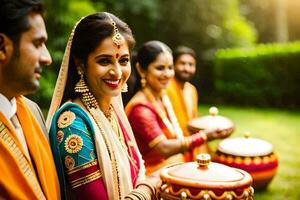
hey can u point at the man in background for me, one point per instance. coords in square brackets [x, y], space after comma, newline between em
[27, 168]
[183, 94]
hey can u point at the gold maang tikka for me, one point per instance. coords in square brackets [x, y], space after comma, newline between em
[117, 37]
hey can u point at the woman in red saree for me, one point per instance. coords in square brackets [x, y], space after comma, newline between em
[151, 115]
[93, 146]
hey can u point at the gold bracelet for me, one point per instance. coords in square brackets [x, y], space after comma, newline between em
[151, 187]
[139, 194]
[185, 144]
[131, 197]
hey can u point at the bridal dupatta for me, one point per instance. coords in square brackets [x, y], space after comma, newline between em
[106, 142]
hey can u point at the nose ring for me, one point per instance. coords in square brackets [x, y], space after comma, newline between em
[112, 72]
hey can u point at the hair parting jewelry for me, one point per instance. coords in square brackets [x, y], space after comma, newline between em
[117, 37]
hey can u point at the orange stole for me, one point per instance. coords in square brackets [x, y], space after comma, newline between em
[185, 111]
[13, 183]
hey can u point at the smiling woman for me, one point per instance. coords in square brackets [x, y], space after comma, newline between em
[94, 148]
[151, 115]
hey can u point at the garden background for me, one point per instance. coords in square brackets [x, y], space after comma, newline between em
[248, 62]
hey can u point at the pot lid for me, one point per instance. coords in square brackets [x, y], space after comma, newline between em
[211, 122]
[205, 174]
[246, 146]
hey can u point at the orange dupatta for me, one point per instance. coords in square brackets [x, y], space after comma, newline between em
[185, 111]
[14, 184]
[182, 113]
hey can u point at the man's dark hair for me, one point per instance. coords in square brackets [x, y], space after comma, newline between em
[13, 16]
[183, 50]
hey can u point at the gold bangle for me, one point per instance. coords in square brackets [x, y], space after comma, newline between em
[140, 194]
[131, 197]
[151, 187]
[184, 144]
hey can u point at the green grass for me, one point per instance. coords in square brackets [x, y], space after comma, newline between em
[282, 129]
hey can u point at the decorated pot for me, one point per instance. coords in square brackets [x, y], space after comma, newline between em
[204, 180]
[213, 121]
[253, 155]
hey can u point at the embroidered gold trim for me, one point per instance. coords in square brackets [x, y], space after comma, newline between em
[168, 191]
[112, 154]
[246, 160]
[23, 163]
[82, 167]
[86, 179]
[156, 140]
[65, 119]
[69, 162]
[73, 143]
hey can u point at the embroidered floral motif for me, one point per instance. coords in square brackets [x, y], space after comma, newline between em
[73, 143]
[65, 119]
[59, 136]
[69, 162]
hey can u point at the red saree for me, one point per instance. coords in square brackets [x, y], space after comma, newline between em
[149, 129]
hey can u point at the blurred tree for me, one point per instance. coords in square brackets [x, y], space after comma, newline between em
[204, 25]
[269, 18]
[262, 15]
[60, 17]
[141, 16]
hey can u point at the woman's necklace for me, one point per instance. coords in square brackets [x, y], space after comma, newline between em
[119, 133]
[172, 125]
[112, 155]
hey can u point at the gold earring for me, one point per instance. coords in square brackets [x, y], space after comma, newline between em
[143, 82]
[2, 56]
[124, 88]
[87, 97]
[81, 86]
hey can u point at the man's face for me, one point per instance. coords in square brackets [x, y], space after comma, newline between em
[185, 67]
[23, 70]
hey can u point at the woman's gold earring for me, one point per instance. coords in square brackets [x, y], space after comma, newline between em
[81, 86]
[124, 88]
[143, 82]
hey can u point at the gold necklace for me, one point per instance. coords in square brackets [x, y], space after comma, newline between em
[118, 131]
[108, 147]
[162, 113]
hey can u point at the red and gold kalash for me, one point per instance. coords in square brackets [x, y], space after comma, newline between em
[204, 180]
[213, 121]
[253, 155]
[250, 154]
